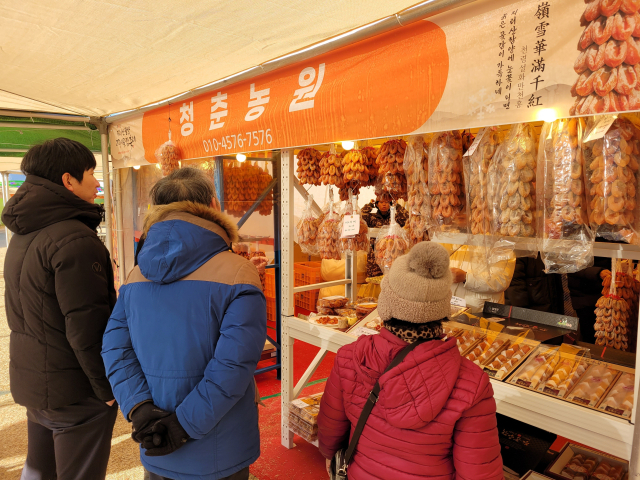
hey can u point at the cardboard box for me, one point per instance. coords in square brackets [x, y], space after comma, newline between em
[307, 408]
[554, 470]
[523, 446]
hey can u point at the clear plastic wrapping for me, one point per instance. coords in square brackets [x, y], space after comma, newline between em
[446, 182]
[168, 156]
[309, 166]
[611, 173]
[566, 240]
[392, 242]
[328, 237]
[360, 241]
[620, 398]
[476, 176]
[418, 205]
[307, 229]
[390, 164]
[513, 187]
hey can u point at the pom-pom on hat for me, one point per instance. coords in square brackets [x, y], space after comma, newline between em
[417, 289]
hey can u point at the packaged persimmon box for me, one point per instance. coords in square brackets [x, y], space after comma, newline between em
[515, 350]
[564, 371]
[594, 384]
[619, 400]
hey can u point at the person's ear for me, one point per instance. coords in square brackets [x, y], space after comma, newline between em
[215, 204]
[66, 181]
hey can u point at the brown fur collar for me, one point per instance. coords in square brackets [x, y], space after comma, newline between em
[160, 213]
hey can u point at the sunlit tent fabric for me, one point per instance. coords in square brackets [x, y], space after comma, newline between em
[97, 57]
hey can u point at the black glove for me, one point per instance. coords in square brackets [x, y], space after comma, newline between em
[144, 416]
[165, 436]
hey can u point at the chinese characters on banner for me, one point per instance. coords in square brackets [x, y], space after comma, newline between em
[538, 65]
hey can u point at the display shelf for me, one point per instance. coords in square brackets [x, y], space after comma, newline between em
[595, 429]
[600, 249]
[590, 427]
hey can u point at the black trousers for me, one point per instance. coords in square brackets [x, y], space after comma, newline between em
[241, 475]
[69, 443]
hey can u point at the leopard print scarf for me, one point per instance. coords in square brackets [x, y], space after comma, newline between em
[411, 332]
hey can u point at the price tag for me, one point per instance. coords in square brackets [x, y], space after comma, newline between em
[475, 143]
[350, 226]
[601, 127]
[458, 302]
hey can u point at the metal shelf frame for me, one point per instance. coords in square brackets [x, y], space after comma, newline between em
[274, 186]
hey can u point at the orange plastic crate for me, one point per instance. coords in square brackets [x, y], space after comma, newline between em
[306, 273]
[270, 283]
[271, 312]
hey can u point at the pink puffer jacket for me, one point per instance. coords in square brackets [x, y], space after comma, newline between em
[435, 417]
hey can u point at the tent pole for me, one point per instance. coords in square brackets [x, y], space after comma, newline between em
[117, 180]
[104, 144]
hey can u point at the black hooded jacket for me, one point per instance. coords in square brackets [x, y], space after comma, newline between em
[59, 295]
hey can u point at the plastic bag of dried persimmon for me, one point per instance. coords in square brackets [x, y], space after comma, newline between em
[307, 229]
[512, 185]
[392, 242]
[476, 178]
[446, 183]
[328, 236]
[566, 240]
[359, 241]
[612, 160]
[168, 156]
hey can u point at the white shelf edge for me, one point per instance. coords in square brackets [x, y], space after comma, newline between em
[600, 249]
[590, 427]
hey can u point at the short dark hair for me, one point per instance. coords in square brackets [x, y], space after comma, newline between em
[58, 156]
[184, 184]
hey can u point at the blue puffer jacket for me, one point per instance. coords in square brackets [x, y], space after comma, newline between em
[187, 332]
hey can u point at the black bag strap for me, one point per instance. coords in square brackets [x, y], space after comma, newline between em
[373, 398]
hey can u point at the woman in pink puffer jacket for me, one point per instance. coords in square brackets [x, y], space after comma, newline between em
[435, 417]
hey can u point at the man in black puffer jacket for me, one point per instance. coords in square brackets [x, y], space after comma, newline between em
[59, 295]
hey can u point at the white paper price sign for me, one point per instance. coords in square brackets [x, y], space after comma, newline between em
[601, 128]
[350, 226]
[475, 143]
[458, 302]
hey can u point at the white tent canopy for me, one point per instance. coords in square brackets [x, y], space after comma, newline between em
[97, 57]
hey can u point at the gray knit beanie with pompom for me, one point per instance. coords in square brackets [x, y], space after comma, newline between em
[417, 289]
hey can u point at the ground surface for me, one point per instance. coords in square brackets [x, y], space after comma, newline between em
[276, 462]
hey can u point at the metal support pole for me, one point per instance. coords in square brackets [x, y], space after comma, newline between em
[119, 225]
[351, 273]
[286, 262]
[634, 461]
[218, 180]
[277, 259]
[104, 144]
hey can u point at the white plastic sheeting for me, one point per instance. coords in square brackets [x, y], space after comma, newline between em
[97, 57]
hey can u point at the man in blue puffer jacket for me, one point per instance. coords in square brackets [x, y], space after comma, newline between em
[184, 339]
